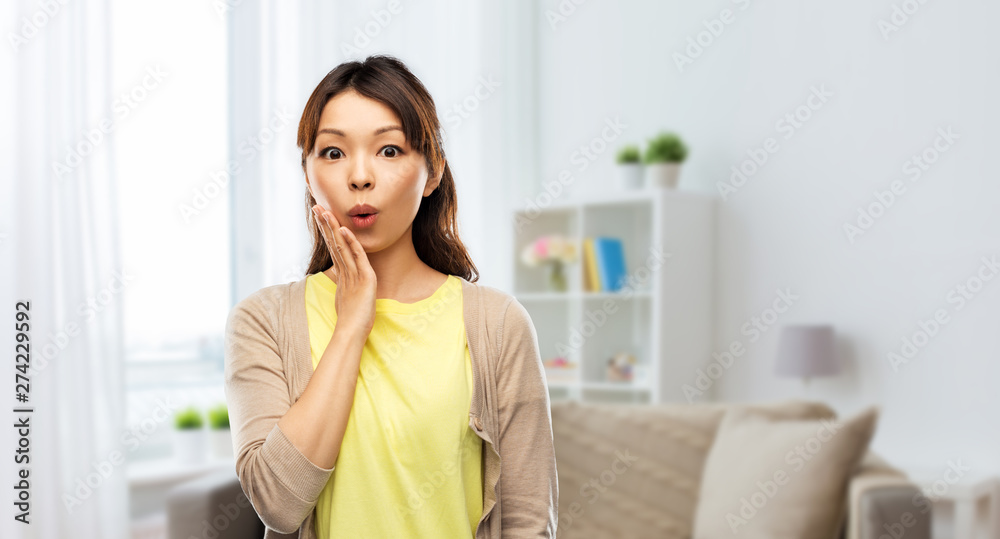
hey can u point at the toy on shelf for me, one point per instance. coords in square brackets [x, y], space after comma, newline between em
[621, 367]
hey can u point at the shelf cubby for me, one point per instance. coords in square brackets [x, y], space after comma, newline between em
[662, 317]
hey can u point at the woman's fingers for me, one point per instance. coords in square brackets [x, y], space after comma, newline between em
[344, 249]
[331, 246]
[360, 256]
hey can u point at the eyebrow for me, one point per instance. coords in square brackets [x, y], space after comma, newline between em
[377, 132]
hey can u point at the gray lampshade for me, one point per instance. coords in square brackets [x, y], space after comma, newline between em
[805, 351]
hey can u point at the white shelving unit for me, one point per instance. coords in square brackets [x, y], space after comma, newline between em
[663, 318]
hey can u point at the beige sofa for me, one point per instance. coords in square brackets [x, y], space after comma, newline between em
[625, 471]
[635, 471]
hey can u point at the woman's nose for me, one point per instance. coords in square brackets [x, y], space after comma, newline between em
[362, 184]
[361, 177]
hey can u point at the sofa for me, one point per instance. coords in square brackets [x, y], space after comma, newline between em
[212, 507]
[625, 471]
[636, 471]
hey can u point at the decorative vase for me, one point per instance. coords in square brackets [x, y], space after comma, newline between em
[221, 443]
[662, 174]
[629, 176]
[557, 276]
[189, 445]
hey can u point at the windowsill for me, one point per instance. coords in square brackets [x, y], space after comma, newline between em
[159, 375]
[161, 472]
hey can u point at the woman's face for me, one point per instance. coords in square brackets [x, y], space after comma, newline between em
[362, 157]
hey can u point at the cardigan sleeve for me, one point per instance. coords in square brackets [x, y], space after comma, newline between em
[529, 489]
[282, 484]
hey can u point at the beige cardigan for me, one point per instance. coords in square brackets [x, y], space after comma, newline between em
[268, 365]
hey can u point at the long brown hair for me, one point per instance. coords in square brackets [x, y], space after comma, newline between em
[387, 80]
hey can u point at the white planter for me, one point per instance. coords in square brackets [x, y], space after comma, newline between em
[629, 176]
[662, 174]
[221, 442]
[190, 445]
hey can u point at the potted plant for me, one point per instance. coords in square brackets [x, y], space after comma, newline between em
[629, 167]
[556, 251]
[189, 437]
[220, 436]
[663, 159]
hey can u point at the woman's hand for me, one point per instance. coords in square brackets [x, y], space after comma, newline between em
[355, 301]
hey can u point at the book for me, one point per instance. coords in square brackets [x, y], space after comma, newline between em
[591, 281]
[610, 254]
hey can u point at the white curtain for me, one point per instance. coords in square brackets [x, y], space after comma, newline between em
[58, 251]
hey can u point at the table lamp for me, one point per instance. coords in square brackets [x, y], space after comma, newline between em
[805, 351]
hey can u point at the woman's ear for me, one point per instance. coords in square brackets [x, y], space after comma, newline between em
[432, 183]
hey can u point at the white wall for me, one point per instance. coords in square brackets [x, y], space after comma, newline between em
[783, 229]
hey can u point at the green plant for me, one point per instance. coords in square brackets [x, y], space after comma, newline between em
[189, 418]
[218, 417]
[628, 154]
[666, 148]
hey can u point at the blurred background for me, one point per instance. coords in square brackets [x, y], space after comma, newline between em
[704, 206]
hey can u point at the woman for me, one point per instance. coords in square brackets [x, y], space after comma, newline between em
[379, 395]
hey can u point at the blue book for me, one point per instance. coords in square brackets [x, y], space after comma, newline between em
[610, 256]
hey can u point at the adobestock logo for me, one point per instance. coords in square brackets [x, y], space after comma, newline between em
[31, 26]
[798, 458]
[248, 149]
[959, 295]
[224, 518]
[597, 486]
[787, 125]
[88, 311]
[913, 168]
[123, 107]
[583, 156]
[251, 146]
[595, 320]
[459, 112]
[84, 487]
[753, 328]
[203, 196]
[566, 9]
[936, 490]
[900, 16]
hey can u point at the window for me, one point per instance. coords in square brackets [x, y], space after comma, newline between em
[169, 69]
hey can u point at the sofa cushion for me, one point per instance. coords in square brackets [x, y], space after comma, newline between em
[635, 470]
[768, 478]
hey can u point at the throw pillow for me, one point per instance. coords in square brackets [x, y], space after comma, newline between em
[767, 478]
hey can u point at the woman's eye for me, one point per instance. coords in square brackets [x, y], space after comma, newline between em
[394, 149]
[326, 153]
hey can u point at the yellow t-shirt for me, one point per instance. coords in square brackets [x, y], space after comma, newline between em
[409, 465]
